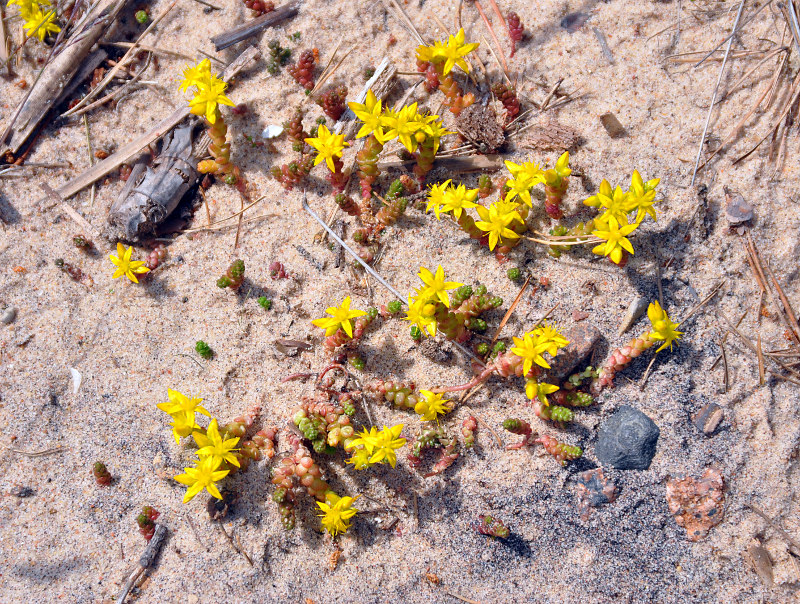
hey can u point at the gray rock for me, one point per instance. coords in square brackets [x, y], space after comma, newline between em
[627, 440]
[8, 315]
[582, 340]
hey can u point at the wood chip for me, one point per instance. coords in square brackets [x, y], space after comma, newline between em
[612, 125]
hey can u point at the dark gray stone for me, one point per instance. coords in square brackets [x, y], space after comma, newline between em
[627, 440]
[708, 418]
[582, 340]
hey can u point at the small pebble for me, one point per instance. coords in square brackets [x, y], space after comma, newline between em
[708, 418]
[761, 563]
[635, 310]
[579, 315]
[627, 440]
[22, 492]
[737, 210]
[612, 125]
[272, 131]
[574, 21]
[8, 316]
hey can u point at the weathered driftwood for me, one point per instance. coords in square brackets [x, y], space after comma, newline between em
[458, 163]
[124, 153]
[58, 73]
[381, 84]
[251, 28]
[152, 193]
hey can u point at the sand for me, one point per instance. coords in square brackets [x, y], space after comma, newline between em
[74, 541]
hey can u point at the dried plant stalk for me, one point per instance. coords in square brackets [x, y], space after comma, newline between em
[58, 73]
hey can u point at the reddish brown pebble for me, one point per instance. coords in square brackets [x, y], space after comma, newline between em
[100, 154]
[579, 315]
[697, 505]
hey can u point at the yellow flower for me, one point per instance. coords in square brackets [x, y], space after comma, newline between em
[663, 327]
[40, 23]
[529, 350]
[27, 7]
[210, 93]
[195, 76]
[432, 128]
[369, 113]
[403, 125]
[336, 512]
[534, 389]
[616, 204]
[432, 406]
[360, 459]
[211, 443]
[430, 53]
[339, 317]
[421, 313]
[549, 340]
[436, 197]
[495, 223]
[124, 265]
[182, 425]
[561, 170]
[458, 198]
[182, 409]
[643, 196]
[366, 439]
[454, 52]
[385, 443]
[329, 146]
[595, 201]
[524, 177]
[203, 476]
[436, 286]
[616, 240]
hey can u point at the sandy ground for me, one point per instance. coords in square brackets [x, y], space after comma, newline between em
[74, 541]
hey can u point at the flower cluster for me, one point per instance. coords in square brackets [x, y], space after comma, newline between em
[209, 91]
[496, 221]
[527, 175]
[431, 310]
[329, 146]
[407, 125]
[530, 348]
[448, 54]
[615, 221]
[39, 17]
[376, 447]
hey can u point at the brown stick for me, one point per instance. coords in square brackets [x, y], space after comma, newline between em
[251, 28]
[100, 169]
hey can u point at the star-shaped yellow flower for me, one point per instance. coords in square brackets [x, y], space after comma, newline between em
[643, 196]
[432, 406]
[495, 223]
[41, 23]
[663, 327]
[210, 94]
[124, 264]
[616, 240]
[454, 51]
[369, 112]
[336, 511]
[195, 76]
[403, 125]
[340, 317]
[435, 285]
[421, 313]
[436, 196]
[328, 145]
[534, 389]
[529, 350]
[204, 475]
[456, 199]
[617, 204]
[211, 443]
[385, 443]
